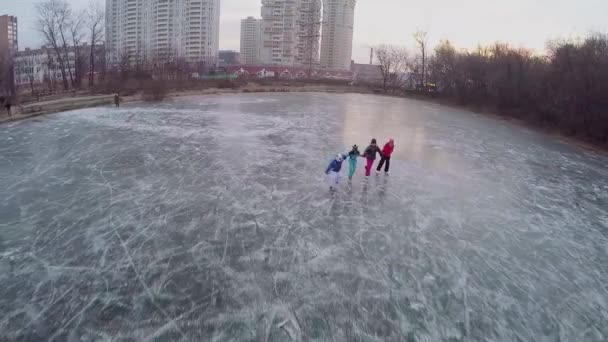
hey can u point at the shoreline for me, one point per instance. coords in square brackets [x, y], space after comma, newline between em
[255, 88]
[336, 89]
[520, 123]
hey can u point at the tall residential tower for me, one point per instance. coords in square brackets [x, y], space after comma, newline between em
[8, 36]
[161, 30]
[279, 31]
[290, 32]
[309, 32]
[337, 36]
[251, 40]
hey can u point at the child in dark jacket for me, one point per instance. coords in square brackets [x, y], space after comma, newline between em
[333, 171]
[370, 155]
[387, 150]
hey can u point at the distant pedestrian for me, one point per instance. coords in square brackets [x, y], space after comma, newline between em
[7, 105]
[370, 155]
[352, 161]
[387, 150]
[117, 100]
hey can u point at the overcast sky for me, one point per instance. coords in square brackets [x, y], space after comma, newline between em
[465, 23]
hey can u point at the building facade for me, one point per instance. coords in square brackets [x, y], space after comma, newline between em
[228, 57]
[279, 32]
[143, 31]
[309, 32]
[290, 32]
[337, 36]
[8, 36]
[40, 67]
[125, 32]
[367, 73]
[251, 40]
[293, 32]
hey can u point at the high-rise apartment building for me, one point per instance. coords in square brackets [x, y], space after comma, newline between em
[8, 36]
[337, 36]
[161, 30]
[309, 32]
[279, 31]
[125, 32]
[290, 32]
[251, 40]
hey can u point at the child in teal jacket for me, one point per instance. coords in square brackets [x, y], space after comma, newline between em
[352, 161]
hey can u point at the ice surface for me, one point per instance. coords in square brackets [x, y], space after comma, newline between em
[207, 219]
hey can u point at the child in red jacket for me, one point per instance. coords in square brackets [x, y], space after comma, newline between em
[386, 156]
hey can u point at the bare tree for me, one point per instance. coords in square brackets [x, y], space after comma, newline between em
[442, 67]
[50, 72]
[564, 90]
[30, 72]
[95, 22]
[51, 21]
[75, 27]
[124, 65]
[2, 76]
[394, 65]
[64, 18]
[7, 76]
[386, 63]
[421, 38]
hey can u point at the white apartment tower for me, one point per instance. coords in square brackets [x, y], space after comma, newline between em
[309, 32]
[337, 36]
[126, 34]
[279, 32]
[161, 30]
[290, 32]
[251, 40]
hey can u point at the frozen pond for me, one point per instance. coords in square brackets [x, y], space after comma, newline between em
[207, 219]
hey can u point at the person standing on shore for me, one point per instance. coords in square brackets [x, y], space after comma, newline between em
[387, 150]
[7, 105]
[370, 155]
[117, 100]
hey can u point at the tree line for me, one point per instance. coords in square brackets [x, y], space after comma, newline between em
[73, 44]
[565, 89]
[64, 30]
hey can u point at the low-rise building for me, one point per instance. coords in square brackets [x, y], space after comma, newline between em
[228, 57]
[367, 73]
[37, 67]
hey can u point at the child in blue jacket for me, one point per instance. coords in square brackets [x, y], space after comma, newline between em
[333, 171]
